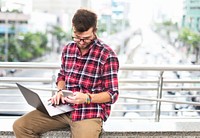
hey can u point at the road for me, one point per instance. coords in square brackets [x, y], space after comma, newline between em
[150, 49]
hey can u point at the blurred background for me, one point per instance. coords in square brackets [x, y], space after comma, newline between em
[148, 32]
[30, 29]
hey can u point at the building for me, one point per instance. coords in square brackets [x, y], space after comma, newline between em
[191, 17]
[12, 23]
[37, 14]
[13, 20]
[13, 17]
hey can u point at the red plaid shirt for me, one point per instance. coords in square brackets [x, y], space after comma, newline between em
[93, 72]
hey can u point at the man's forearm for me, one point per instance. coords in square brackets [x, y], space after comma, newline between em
[102, 97]
[61, 85]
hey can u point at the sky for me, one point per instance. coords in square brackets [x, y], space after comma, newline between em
[143, 11]
[16, 4]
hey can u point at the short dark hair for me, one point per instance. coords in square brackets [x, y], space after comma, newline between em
[84, 19]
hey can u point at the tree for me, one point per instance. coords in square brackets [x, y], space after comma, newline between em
[191, 40]
[33, 45]
[59, 34]
[25, 46]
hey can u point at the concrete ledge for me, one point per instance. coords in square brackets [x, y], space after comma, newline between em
[122, 134]
[123, 129]
[57, 134]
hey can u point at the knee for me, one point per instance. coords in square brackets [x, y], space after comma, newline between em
[18, 124]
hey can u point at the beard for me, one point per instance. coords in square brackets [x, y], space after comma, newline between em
[85, 46]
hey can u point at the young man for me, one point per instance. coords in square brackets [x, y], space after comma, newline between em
[89, 69]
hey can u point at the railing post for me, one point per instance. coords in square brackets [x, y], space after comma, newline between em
[53, 81]
[159, 96]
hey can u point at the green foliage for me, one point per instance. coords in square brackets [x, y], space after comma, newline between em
[59, 33]
[14, 49]
[192, 41]
[1, 49]
[184, 33]
[168, 23]
[33, 45]
[189, 37]
[25, 47]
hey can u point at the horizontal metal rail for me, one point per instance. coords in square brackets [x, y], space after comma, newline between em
[129, 88]
[40, 65]
[49, 79]
[161, 100]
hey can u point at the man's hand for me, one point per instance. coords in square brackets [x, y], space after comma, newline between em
[77, 98]
[57, 98]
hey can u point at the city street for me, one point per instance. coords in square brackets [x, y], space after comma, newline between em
[152, 50]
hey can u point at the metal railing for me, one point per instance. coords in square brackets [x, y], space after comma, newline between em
[146, 91]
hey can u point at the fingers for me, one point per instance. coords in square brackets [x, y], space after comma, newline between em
[57, 99]
[57, 102]
[78, 98]
[72, 100]
[63, 100]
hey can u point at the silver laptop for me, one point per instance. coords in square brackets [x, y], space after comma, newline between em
[35, 101]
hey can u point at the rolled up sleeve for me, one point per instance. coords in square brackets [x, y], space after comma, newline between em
[110, 78]
[61, 76]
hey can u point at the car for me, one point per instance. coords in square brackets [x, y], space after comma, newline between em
[2, 73]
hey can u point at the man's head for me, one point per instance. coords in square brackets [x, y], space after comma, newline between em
[84, 25]
[83, 20]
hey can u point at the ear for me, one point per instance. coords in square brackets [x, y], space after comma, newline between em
[73, 29]
[95, 30]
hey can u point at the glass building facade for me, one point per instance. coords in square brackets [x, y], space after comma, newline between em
[191, 17]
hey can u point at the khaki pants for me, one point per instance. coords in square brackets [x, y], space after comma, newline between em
[35, 123]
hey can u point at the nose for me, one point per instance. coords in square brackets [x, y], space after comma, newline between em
[81, 42]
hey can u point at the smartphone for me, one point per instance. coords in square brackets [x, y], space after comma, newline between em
[67, 93]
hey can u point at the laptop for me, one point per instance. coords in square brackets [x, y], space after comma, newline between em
[35, 101]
